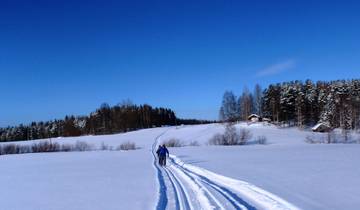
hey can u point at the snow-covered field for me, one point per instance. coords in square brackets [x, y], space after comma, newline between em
[77, 180]
[286, 173]
[82, 180]
[311, 176]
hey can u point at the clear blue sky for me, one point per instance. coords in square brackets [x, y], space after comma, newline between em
[67, 57]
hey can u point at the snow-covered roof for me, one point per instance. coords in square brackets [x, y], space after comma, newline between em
[319, 125]
[253, 115]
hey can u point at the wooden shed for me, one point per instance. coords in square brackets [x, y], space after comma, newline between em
[254, 118]
[321, 127]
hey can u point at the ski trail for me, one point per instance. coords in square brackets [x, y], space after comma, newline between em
[184, 186]
[177, 191]
[179, 187]
[170, 184]
[234, 200]
[163, 199]
[206, 200]
[240, 193]
[189, 192]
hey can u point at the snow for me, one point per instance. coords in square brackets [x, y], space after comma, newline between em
[143, 138]
[316, 126]
[286, 173]
[259, 197]
[319, 125]
[82, 180]
[77, 180]
[308, 176]
[199, 192]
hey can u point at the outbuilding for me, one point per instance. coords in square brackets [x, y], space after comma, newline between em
[321, 127]
[254, 118]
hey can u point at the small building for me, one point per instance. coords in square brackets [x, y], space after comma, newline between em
[254, 118]
[321, 127]
[264, 119]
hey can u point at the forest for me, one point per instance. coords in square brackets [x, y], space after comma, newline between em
[297, 103]
[105, 120]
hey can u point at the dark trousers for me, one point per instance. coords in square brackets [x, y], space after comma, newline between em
[162, 160]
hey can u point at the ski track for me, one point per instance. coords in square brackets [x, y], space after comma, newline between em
[163, 200]
[196, 188]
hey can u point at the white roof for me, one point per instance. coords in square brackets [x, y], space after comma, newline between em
[253, 115]
[318, 126]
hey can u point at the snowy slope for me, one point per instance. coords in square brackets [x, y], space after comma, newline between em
[143, 138]
[284, 174]
[82, 180]
[77, 180]
[311, 176]
[184, 186]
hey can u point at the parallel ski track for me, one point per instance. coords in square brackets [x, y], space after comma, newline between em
[163, 199]
[191, 190]
[180, 197]
[231, 197]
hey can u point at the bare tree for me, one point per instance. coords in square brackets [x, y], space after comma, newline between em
[246, 103]
[258, 95]
[228, 107]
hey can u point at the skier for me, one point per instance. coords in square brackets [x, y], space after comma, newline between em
[158, 153]
[162, 155]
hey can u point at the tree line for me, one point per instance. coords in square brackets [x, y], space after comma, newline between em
[335, 103]
[105, 120]
[235, 108]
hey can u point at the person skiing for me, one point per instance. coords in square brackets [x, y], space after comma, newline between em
[162, 155]
[158, 153]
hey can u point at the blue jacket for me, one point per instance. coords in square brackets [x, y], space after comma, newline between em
[163, 151]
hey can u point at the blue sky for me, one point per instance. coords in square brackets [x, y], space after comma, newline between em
[68, 57]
